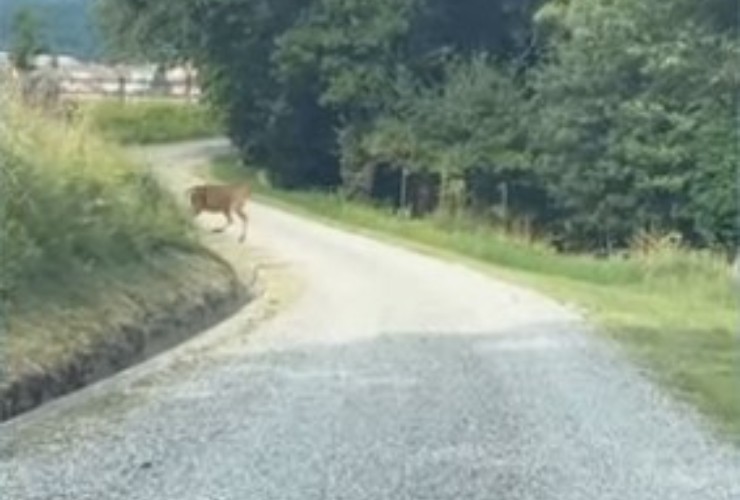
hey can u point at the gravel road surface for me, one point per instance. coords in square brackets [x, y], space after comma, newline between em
[388, 375]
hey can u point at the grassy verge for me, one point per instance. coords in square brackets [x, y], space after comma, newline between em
[83, 328]
[146, 122]
[89, 244]
[674, 311]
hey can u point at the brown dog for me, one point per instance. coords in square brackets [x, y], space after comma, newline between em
[221, 198]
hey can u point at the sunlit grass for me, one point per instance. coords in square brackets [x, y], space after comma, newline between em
[88, 240]
[73, 202]
[144, 122]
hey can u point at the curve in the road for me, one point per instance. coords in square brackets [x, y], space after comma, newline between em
[392, 376]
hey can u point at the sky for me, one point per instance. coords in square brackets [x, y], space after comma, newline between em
[68, 26]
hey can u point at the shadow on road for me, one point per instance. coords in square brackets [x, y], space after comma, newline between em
[535, 413]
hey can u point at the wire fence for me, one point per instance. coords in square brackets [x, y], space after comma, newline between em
[128, 88]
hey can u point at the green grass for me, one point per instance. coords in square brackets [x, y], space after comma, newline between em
[146, 122]
[88, 240]
[74, 203]
[673, 311]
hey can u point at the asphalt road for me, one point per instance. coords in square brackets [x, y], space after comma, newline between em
[390, 375]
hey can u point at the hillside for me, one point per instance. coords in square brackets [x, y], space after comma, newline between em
[68, 25]
[100, 268]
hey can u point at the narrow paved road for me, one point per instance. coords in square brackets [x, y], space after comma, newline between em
[391, 375]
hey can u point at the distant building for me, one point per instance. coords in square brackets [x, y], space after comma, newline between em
[88, 79]
[60, 61]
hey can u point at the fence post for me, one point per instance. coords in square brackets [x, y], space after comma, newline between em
[188, 82]
[404, 187]
[122, 87]
[504, 190]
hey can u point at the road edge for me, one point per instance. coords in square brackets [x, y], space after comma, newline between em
[129, 343]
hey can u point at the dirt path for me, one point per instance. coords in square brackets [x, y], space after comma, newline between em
[388, 375]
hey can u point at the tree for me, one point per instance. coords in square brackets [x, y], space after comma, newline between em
[594, 119]
[27, 41]
[630, 107]
[291, 75]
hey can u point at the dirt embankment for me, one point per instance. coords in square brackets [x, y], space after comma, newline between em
[59, 349]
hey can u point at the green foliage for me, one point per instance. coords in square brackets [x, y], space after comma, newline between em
[280, 124]
[152, 121]
[473, 120]
[633, 122]
[590, 120]
[349, 48]
[291, 75]
[155, 28]
[26, 42]
[72, 204]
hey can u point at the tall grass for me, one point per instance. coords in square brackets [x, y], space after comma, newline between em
[72, 203]
[90, 248]
[144, 122]
[673, 309]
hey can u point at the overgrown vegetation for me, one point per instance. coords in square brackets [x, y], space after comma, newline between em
[589, 121]
[73, 203]
[673, 309]
[88, 242]
[144, 122]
